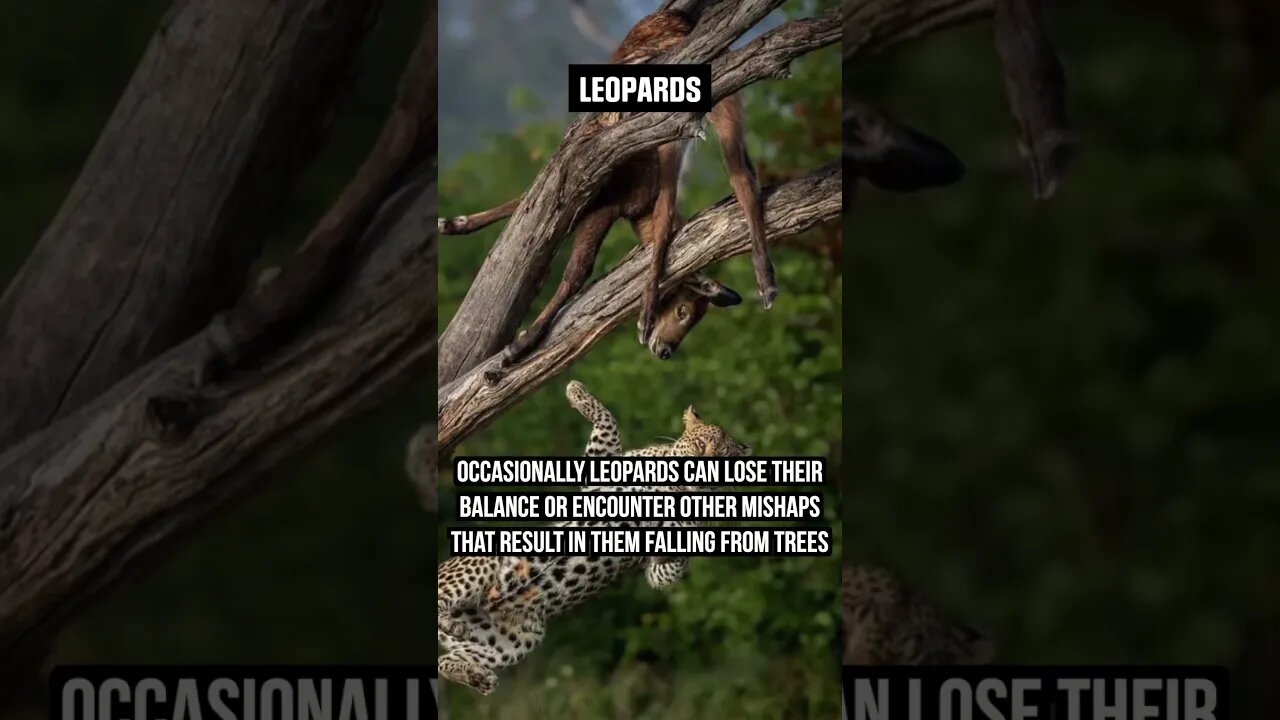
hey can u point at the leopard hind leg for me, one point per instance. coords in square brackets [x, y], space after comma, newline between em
[605, 440]
[466, 582]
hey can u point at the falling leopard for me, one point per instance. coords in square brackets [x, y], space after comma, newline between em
[885, 623]
[469, 581]
[493, 611]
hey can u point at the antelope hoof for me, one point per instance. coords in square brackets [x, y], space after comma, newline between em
[510, 354]
[768, 295]
[451, 226]
[648, 319]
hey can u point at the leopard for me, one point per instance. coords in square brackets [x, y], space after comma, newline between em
[496, 613]
[887, 623]
[699, 439]
[468, 581]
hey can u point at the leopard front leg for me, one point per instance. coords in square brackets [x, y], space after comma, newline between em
[469, 664]
[495, 640]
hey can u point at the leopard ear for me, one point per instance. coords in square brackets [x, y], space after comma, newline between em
[691, 418]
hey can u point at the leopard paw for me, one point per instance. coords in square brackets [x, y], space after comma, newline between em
[478, 678]
[450, 625]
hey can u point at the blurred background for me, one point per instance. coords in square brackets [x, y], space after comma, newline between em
[331, 561]
[1064, 414]
[740, 637]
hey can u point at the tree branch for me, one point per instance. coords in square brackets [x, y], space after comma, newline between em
[588, 27]
[173, 204]
[80, 500]
[469, 403]
[519, 261]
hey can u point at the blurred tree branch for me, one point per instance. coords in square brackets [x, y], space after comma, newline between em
[173, 204]
[871, 26]
[589, 27]
[349, 319]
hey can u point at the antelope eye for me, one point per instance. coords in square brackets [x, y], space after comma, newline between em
[682, 312]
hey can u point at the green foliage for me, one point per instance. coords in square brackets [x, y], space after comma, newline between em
[742, 638]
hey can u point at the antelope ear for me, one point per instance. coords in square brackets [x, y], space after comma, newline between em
[895, 157]
[914, 162]
[719, 294]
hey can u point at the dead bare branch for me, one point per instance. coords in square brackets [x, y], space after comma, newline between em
[470, 402]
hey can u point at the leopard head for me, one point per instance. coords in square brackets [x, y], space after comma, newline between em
[702, 439]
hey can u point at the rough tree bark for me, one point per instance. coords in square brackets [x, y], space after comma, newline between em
[84, 497]
[228, 103]
[519, 261]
